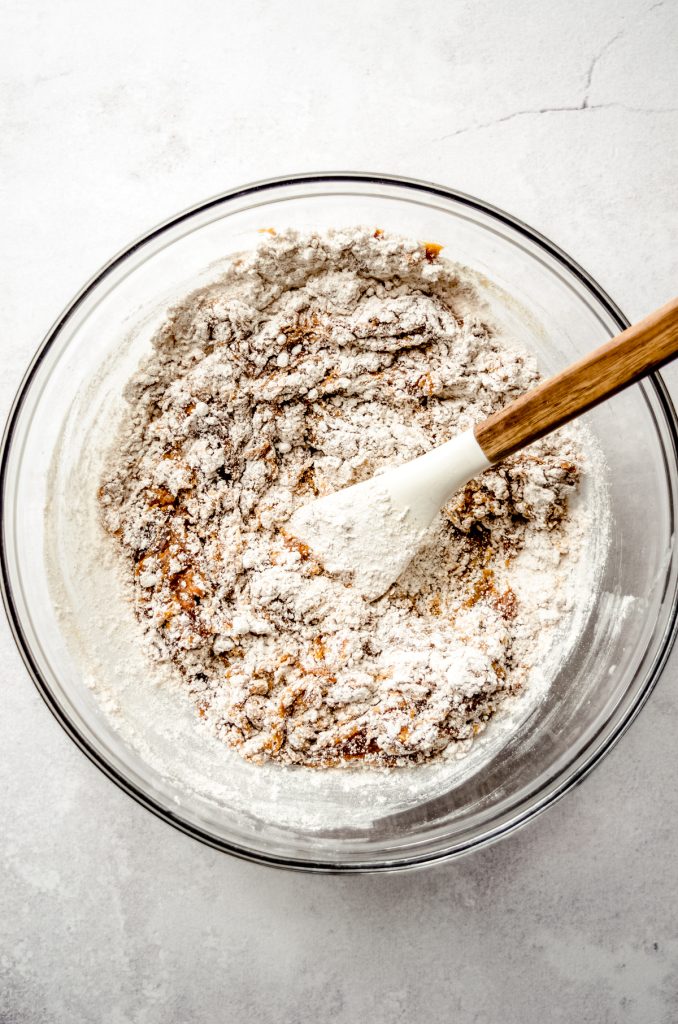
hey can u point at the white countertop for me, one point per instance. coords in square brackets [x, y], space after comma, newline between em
[113, 117]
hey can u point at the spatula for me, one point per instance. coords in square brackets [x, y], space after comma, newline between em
[370, 532]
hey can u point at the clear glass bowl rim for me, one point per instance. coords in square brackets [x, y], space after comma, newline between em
[525, 814]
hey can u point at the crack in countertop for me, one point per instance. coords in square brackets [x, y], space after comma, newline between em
[556, 110]
[584, 105]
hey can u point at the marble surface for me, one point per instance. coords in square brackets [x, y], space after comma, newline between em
[113, 117]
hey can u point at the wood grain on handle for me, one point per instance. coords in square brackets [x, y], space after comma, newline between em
[640, 349]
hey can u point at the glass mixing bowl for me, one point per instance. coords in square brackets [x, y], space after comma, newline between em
[65, 411]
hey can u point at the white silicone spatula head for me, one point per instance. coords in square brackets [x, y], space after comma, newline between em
[375, 528]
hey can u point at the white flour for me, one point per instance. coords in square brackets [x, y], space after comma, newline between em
[308, 366]
[360, 530]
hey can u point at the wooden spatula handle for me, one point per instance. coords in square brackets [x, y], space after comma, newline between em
[640, 349]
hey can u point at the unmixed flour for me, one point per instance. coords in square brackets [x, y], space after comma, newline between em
[311, 364]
